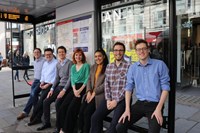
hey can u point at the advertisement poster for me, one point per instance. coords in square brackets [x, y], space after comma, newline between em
[129, 56]
[74, 33]
[84, 35]
[64, 36]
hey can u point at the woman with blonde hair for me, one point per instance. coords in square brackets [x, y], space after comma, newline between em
[26, 61]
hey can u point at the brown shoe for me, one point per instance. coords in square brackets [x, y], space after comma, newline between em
[21, 116]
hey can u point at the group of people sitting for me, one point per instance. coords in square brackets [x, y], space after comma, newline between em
[85, 95]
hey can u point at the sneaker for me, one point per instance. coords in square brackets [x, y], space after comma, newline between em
[21, 116]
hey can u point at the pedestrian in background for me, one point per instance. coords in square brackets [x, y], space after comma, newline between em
[26, 62]
[17, 62]
[1, 60]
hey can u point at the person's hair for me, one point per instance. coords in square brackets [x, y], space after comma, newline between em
[38, 50]
[16, 52]
[78, 50]
[25, 54]
[105, 60]
[48, 49]
[62, 47]
[141, 41]
[121, 44]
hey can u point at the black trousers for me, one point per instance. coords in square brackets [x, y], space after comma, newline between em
[72, 111]
[47, 102]
[61, 108]
[139, 110]
[100, 114]
[86, 111]
[38, 109]
[26, 74]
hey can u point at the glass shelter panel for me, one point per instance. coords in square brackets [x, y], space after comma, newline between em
[188, 42]
[45, 36]
[19, 48]
[127, 21]
[136, 21]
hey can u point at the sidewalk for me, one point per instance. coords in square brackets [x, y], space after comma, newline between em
[187, 119]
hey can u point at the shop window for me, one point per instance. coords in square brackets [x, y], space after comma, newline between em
[189, 3]
[160, 18]
[14, 26]
[45, 34]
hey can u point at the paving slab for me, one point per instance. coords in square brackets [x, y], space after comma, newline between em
[183, 125]
[195, 117]
[183, 111]
[3, 123]
[195, 129]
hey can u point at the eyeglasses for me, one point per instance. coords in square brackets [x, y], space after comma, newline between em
[118, 50]
[48, 54]
[141, 49]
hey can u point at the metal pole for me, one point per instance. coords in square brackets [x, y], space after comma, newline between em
[34, 36]
[98, 23]
[13, 85]
[172, 63]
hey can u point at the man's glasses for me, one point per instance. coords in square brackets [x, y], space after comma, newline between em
[48, 54]
[141, 49]
[118, 50]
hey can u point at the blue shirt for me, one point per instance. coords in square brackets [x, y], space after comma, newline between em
[148, 80]
[49, 71]
[38, 63]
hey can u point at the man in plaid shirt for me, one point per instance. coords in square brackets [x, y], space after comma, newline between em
[114, 92]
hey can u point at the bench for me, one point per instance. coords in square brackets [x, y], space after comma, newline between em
[139, 129]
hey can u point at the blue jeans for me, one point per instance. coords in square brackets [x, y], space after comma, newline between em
[35, 90]
[17, 75]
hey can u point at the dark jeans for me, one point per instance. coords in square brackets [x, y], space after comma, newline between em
[38, 109]
[17, 75]
[26, 73]
[100, 114]
[139, 110]
[0, 63]
[47, 103]
[86, 111]
[33, 98]
[72, 111]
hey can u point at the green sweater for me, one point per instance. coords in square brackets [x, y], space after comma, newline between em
[80, 76]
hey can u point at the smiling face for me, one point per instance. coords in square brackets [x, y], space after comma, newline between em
[142, 51]
[78, 57]
[48, 55]
[61, 54]
[118, 52]
[98, 57]
[36, 54]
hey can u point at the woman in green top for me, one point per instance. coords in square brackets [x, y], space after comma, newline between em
[79, 77]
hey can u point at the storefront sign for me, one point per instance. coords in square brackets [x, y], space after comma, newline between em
[112, 15]
[120, 13]
[187, 24]
[44, 28]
